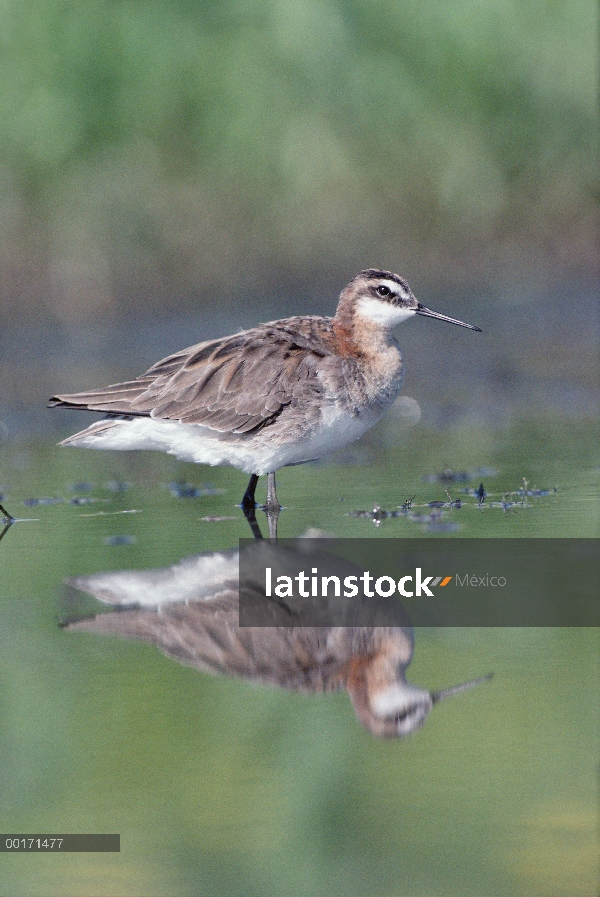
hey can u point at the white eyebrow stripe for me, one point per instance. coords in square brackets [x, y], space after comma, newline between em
[396, 289]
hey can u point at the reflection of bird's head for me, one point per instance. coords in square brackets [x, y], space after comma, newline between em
[384, 701]
[396, 711]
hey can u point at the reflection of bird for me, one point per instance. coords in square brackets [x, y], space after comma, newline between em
[191, 612]
[281, 393]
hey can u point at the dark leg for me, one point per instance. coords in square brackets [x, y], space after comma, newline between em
[248, 499]
[250, 515]
[8, 518]
[7, 526]
[7, 521]
[248, 506]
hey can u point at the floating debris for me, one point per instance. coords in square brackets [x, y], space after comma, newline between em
[81, 500]
[434, 521]
[376, 515]
[405, 510]
[36, 502]
[187, 490]
[214, 519]
[508, 505]
[451, 503]
[120, 540]
[525, 492]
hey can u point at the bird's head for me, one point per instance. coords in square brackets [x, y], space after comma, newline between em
[385, 299]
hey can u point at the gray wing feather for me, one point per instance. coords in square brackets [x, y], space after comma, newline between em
[232, 385]
[209, 638]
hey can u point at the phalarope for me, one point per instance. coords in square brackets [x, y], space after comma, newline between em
[191, 612]
[281, 393]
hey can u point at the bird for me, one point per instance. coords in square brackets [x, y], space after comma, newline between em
[281, 393]
[191, 612]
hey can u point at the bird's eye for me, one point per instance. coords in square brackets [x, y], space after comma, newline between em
[383, 290]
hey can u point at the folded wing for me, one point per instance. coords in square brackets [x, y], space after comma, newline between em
[232, 385]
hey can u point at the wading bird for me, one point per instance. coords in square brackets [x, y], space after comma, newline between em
[281, 393]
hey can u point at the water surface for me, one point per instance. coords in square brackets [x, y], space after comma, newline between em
[221, 787]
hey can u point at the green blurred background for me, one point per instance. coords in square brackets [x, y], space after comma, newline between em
[173, 171]
[162, 153]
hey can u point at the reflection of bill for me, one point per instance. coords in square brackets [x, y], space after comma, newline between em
[191, 611]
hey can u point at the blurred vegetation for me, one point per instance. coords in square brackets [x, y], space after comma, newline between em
[173, 151]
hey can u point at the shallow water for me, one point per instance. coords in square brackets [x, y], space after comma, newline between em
[220, 787]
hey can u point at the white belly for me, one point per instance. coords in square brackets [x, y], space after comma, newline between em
[259, 453]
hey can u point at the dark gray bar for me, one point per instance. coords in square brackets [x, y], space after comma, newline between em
[60, 843]
[429, 582]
